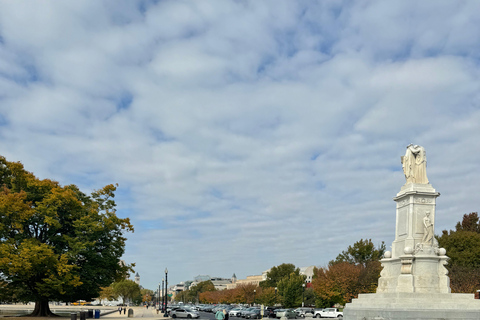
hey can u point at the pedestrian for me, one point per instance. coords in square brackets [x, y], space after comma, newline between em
[226, 314]
[124, 310]
[120, 310]
[220, 315]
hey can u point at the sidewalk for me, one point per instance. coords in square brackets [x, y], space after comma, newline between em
[138, 312]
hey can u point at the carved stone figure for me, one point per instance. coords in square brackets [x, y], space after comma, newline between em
[428, 229]
[414, 164]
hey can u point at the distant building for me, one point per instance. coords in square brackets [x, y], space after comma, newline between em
[308, 272]
[249, 280]
[201, 278]
[137, 278]
[219, 283]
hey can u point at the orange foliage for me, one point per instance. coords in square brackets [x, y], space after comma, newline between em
[338, 283]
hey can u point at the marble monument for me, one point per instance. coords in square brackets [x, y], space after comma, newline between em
[413, 283]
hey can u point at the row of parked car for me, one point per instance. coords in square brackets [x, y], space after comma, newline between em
[191, 311]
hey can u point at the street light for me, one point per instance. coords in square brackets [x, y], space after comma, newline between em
[275, 295]
[166, 291]
[163, 294]
[158, 300]
[303, 295]
[254, 291]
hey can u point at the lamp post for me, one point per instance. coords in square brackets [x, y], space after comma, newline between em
[158, 300]
[254, 291]
[303, 295]
[275, 295]
[163, 295]
[166, 291]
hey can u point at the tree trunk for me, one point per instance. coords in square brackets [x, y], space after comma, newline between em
[42, 309]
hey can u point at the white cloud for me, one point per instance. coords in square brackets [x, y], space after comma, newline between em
[243, 134]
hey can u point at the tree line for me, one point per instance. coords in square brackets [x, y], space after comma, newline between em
[354, 271]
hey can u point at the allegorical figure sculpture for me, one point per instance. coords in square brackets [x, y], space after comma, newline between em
[427, 229]
[414, 164]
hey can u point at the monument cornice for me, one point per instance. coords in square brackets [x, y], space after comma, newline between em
[403, 194]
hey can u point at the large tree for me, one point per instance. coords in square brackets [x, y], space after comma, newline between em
[355, 270]
[290, 289]
[362, 252]
[57, 243]
[127, 290]
[275, 274]
[336, 284]
[464, 253]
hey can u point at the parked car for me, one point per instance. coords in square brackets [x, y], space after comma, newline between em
[302, 311]
[269, 312]
[255, 314]
[244, 312]
[184, 313]
[207, 308]
[171, 308]
[234, 312]
[328, 313]
[287, 313]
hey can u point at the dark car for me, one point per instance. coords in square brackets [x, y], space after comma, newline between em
[254, 314]
[244, 312]
[208, 308]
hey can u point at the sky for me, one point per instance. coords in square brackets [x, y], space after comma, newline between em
[244, 134]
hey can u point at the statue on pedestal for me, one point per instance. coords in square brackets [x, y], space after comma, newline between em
[414, 164]
[428, 229]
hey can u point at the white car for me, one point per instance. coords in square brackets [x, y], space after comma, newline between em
[328, 313]
[184, 313]
[234, 312]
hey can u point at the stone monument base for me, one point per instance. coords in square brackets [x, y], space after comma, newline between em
[413, 306]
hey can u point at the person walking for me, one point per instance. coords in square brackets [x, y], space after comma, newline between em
[220, 315]
[225, 312]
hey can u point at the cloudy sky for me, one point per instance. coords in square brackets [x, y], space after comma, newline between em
[244, 134]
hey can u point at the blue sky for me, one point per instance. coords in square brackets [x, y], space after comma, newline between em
[244, 134]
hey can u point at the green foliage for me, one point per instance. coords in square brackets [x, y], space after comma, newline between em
[278, 273]
[464, 253]
[361, 252]
[127, 290]
[470, 222]
[266, 296]
[57, 243]
[309, 297]
[290, 289]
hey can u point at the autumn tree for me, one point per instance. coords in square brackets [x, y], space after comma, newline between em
[57, 243]
[107, 293]
[336, 284]
[464, 253]
[147, 295]
[193, 293]
[355, 270]
[266, 296]
[245, 292]
[126, 289]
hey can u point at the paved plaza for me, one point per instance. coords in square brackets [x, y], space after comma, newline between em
[138, 312]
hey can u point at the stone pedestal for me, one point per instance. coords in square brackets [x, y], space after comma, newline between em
[413, 283]
[413, 306]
